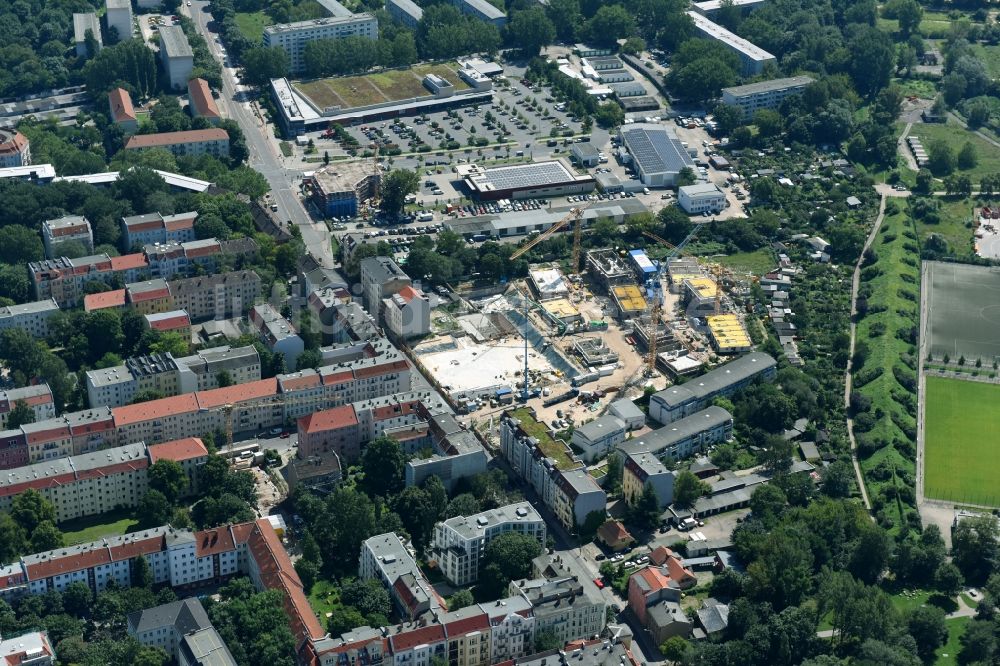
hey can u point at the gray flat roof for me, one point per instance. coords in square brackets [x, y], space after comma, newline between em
[699, 188]
[732, 40]
[767, 86]
[485, 8]
[655, 148]
[408, 7]
[335, 8]
[49, 305]
[599, 426]
[174, 43]
[678, 431]
[84, 22]
[718, 379]
[474, 526]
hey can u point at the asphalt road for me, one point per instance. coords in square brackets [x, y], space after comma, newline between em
[264, 156]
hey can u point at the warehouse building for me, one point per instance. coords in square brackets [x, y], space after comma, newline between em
[177, 56]
[656, 152]
[752, 57]
[764, 94]
[701, 197]
[536, 180]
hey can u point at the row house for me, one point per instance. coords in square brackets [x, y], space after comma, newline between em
[218, 296]
[64, 279]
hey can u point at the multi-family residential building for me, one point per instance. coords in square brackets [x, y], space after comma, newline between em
[406, 12]
[341, 320]
[654, 597]
[599, 652]
[181, 629]
[30, 649]
[753, 97]
[277, 333]
[599, 437]
[407, 313]
[201, 104]
[152, 228]
[218, 296]
[381, 277]
[15, 149]
[119, 18]
[684, 437]
[213, 141]
[559, 479]
[386, 558]
[121, 110]
[189, 452]
[642, 469]
[31, 317]
[564, 601]
[118, 385]
[293, 37]
[459, 542]
[171, 321]
[81, 24]
[149, 296]
[64, 279]
[173, 259]
[38, 398]
[65, 229]
[457, 453]
[752, 57]
[176, 55]
[685, 399]
[482, 10]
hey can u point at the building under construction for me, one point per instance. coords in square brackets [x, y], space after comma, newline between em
[681, 269]
[608, 269]
[339, 189]
[666, 341]
[728, 335]
[628, 300]
[593, 352]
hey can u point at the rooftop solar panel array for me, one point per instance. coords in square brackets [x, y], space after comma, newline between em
[524, 175]
[655, 149]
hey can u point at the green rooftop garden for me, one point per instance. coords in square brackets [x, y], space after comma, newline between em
[551, 448]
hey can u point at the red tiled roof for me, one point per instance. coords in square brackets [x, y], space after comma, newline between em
[151, 295]
[399, 409]
[60, 431]
[231, 395]
[155, 409]
[128, 261]
[169, 323]
[204, 251]
[121, 105]
[103, 300]
[421, 636]
[298, 383]
[201, 97]
[338, 377]
[467, 625]
[376, 370]
[241, 532]
[409, 293]
[136, 547]
[176, 138]
[61, 565]
[178, 223]
[214, 541]
[328, 419]
[178, 449]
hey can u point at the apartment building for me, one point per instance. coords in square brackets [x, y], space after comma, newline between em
[81, 24]
[599, 437]
[90, 484]
[30, 649]
[293, 37]
[407, 313]
[564, 601]
[212, 141]
[381, 277]
[176, 55]
[482, 10]
[202, 370]
[181, 629]
[15, 149]
[152, 228]
[753, 97]
[340, 189]
[218, 296]
[685, 399]
[406, 12]
[149, 296]
[118, 385]
[171, 321]
[38, 398]
[752, 57]
[684, 437]
[174, 259]
[641, 469]
[71, 228]
[63, 279]
[549, 466]
[31, 317]
[459, 542]
[119, 19]
[457, 453]
[277, 333]
[122, 111]
[386, 558]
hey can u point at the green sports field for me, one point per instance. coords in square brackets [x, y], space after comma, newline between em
[962, 441]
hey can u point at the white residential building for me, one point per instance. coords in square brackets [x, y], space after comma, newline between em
[177, 56]
[380, 277]
[406, 12]
[181, 629]
[66, 229]
[701, 197]
[38, 397]
[764, 94]
[293, 37]
[387, 559]
[81, 24]
[277, 333]
[30, 649]
[32, 317]
[599, 437]
[459, 542]
[119, 17]
[407, 313]
[752, 57]
[482, 10]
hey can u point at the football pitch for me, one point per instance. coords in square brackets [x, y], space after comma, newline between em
[962, 441]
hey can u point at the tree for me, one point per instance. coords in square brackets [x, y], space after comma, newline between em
[686, 176]
[940, 158]
[979, 643]
[530, 30]
[169, 478]
[142, 574]
[461, 599]
[646, 511]
[925, 181]
[343, 619]
[974, 548]
[909, 14]
[967, 158]
[837, 479]
[19, 244]
[978, 113]
[383, 463]
[675, 649]
[926, 625]
[782, 572]
[154, 509]
[464, 504]
[768, 122]
[676, 223]
[395, 186]
[507, 557]
[767, 503]
[20, 415]
[77, 599]
[223, 378]
[873, 60]
[308, 573]
[609, 115]
[688, 488]
[609, 24]
[615, 473]
[948, 579]
[547, 640]
[12, 539]
[261, 64]
[46, 537]
[29, 509]
[368, 596]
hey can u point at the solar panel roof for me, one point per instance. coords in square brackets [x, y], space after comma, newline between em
[655, 148]
[523, 175]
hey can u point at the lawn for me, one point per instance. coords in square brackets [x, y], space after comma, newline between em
[252, 25]
[947, 654]
[550, 447]
[933, 25]
[956, 135]
[756, 263]
[323, 597]
[955, 226]
[386, 86]
[990, 56]
[960, 435]
[92, 528]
